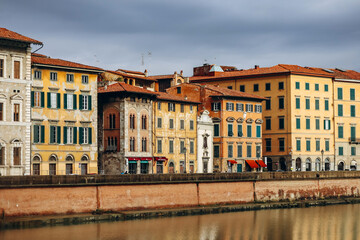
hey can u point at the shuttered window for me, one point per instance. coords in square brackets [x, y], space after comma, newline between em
[17, 69]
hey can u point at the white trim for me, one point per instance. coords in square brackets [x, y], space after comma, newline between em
[13, 102]
[3, 101]
[3, 56]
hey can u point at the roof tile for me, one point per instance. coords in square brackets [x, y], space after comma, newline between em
[7, 34]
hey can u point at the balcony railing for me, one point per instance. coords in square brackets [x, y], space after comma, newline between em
[354, 140]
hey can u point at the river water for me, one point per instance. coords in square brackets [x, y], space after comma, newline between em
[330, 223]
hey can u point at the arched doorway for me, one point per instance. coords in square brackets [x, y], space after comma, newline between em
[282, 164]
[269, 164]
[171, 167]
[298, 164]
[327, 164]
[317, 164]
[353, 165]
[341, 166]
[308, 164]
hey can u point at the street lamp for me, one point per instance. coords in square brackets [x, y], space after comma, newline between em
[322, 159]
[258, 156]
[184, 150]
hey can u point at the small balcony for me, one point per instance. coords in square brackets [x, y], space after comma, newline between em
[354, 140]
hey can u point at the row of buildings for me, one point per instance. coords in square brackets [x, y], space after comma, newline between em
[60, 117]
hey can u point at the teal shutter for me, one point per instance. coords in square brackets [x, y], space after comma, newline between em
[58, 134]
[80, 102]
[32, 98]
[353, 133]
[352, 108]
[89, 102]
[52, 131]
[58, 100]
[352, 94]
[42, 99]
[75, 135]
[90, 135]
[74, 102]
[329, 124]
[81, 135]
[65, 135]
[42, 134]
[48, 100]
[36, 134]
[65, 101]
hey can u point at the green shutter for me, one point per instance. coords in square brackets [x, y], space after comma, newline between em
[248, 131]
[58, 134]
[352, 107]
[340, 110]
[36, 134]
[298, 123]
[353, 133]
[65, 101]
[81, 135]
[32, 98]
[297, 103]
[340, 132]
[58, 100]
[65, 135]
[52, 130]
[48, 100]
[340, 95]
[75, 135]
[90, 135]
[74, 102]
[81, 102]
[89, 102]
[258, 131]
[42, 99]
[352, 94]
[42, 134]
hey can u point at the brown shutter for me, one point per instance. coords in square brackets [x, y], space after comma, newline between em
[17, 69]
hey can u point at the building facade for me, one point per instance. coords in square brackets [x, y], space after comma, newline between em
[15, 112]
[64, 117]
[205, 135]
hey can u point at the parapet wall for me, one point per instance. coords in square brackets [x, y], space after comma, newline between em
[45, 195]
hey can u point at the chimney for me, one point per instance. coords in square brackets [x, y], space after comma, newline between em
[146, 73]
[181, 72]
[256, 66]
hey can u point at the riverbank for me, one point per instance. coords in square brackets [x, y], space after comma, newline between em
[102, 216]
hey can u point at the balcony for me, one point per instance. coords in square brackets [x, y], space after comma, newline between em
[111, 148]
[354, 140]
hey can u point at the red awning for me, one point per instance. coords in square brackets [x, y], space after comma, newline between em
[232, 161]
[252, 163]
[133, 158]
[161, 159]
[146, 159]
[261, 163]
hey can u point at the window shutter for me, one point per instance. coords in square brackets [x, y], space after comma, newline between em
[36, 134]
[329, 127]
[58, 134]
[212, 106]
[65, 135]
[42, 99]
[80, 102]
[65, 101]
[324, 124]
[81, 135]
[42, 134]
[58, 100]
[48, 100]
[74, 102]
[32, 98]
[75, 135]
[52, 130]
[89, 102]
[90, 135]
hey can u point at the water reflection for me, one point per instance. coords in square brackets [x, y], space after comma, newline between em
[331, 222]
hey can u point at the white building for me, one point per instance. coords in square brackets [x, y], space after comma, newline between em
[205, 136]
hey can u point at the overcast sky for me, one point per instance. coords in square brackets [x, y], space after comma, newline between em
[164, 36]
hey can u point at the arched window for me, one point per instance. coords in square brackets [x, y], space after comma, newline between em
[353, 165]
[171, 167]
[205, 145]
[144, 144]
[69, 158]
[132, 121]
[84, 158]
[317, 164]
[132, 144]
[52, 164]
[53, 158]
[298, 164]
[112, 119]
[327, 164]
[2, 153]
[341, 166]
[143, 122]
[308, 164]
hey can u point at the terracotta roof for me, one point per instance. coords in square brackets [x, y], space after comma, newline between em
[7, 34]
[123, 87]
[131, 76]
[42, 59]
[130, 71]
[170, 97]
[162, 76]
[346, 74]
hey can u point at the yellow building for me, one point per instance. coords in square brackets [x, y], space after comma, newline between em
[64, 117]
[174, 131]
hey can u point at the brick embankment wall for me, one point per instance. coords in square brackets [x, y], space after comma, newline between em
[47, 195]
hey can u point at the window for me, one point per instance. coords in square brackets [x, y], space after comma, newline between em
[37, 99]
[327, 124]
[340, 132]
[69, 168]
[249, 107]
[159, 105]
[258, 108]
[171, 107]
[248, 131]
[326, 105]
[171, 146]
[144, 122]
[37, 74]
[297, 102]
[298, 123]
[112, 121]
[297, 85]
[327, 145]
[17, 69]
[317, 104]
[317, 144]
[171, 123]
[2, 111]
[352, 94]
[70, 77]
[281, 102]
[85, 135]
[53, 76]
[229, 106]
[132, 144]
[16, 112]
[267, 86]
[307, 86]
[230, 150]
[70, 135]
[240, 130]
[182, 124]
[268, 144]
[191, 108]
[191, 147]
[216, 151]
[281, 123]
[178, 89]
[2, 155]
[281, 85]
[307, 103]
[308, 146]
[258, 131]
[298, 144]
[39, 134]
[144, 144]
[248, 151]
[132, 121]
[159, 123]
[341, 151]
[317, 124]
[216, 106]
[182, 108]
[340, 110]
[352, 111]
[55, 134]
[326, 88]
[182, 146]
[52, 168]
[268, 123]
[85, 102]
[268, 104]
[258, 151]
[353, 132]
[340, 93]
[353, 151]
[2, 68]
[256, 87]
[230, 130]
[316, 87]
[239, 151]
[281, 144]
[240, 107]
[308, 123]
[84, 79]
[191, 124]
[216, 130]
[242, 88]
[159, 146]
[70, 101]
[229, 87]
[17, 155]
